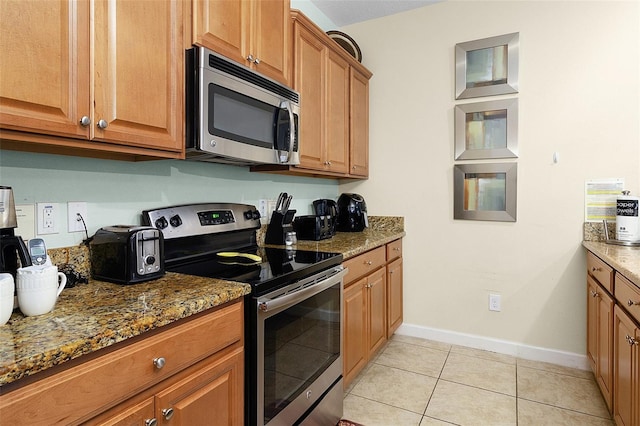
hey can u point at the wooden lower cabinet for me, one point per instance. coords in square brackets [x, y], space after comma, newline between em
[368, 301]
[600, 337]
[200, 381]
[613, 339]
[626, 406]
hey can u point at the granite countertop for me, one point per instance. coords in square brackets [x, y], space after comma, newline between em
[94, 316]
[623, 259]
[381, 230]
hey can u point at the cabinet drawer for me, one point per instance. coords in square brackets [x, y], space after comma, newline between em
[394, 250]
[600, 271]
[628, 295]
[364, 264]
[97, 384]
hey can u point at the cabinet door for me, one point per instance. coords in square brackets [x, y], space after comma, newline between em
[138, 414]
[337, 122]
[626, 375]
[604, 361]
[309, 81]
[354, 330]
[138, 74]
[592, 324]
[44, 48]
[359, 126]
[377, 304]
[222, 26]
[271, 38]
[394, 296]
[212, 394]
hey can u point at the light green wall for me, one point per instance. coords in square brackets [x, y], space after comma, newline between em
[116, 192]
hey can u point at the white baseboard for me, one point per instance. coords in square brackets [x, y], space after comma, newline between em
[533, 353]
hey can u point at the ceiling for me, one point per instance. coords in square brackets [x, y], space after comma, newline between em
[346, 12]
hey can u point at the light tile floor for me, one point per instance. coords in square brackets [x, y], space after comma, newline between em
[416, 382]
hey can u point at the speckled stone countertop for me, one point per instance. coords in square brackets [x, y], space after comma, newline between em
[94, 316]
[381, 230]
[625, 260]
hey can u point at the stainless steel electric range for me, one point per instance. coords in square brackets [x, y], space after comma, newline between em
[293, 333]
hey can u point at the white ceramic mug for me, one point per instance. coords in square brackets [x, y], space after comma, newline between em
[38, 288]
[6, 297]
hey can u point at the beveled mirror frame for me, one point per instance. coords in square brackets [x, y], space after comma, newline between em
[511, 41]
[464, 172]
[461, 135]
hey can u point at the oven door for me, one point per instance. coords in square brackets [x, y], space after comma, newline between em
[299, 348]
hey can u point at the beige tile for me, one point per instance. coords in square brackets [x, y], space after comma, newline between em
[372, 413]
[481, 373]
[479, 353]
[399, 388]
[535, 414]
[553, 368]
[421, 342]
[466, 405]
[414, 358]
[428, 421]
[562, 391]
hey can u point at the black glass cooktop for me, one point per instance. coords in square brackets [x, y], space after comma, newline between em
[274, 267]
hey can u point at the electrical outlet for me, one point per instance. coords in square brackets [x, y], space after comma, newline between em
[262, 208]
[494, 302]
[48, 218]
[74, 211]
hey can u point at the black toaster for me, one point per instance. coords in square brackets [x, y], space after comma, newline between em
[127, 254]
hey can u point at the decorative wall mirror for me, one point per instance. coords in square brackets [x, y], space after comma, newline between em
[485, 191]
[487, 67]
[486, 130]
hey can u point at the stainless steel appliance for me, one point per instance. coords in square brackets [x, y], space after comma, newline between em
[352, 213]
[127, 254]
[237, 116]
[321, 225]
[293, 333]
[12, 248]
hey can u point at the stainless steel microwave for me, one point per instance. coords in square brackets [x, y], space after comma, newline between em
[235, 115]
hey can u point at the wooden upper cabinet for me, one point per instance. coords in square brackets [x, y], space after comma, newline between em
[118, 80]
[359, 125]
[44, 83]
[139, 73]
[337, 114]
[256, 33]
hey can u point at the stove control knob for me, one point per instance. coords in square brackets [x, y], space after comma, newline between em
[150, 260]
[252, 214]
[161, 223]
[175, 221]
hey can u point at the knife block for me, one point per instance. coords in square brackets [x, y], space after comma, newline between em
[278, 227]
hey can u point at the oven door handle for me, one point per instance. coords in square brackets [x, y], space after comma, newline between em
[296, 296]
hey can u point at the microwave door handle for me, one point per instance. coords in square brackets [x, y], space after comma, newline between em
[292, 127]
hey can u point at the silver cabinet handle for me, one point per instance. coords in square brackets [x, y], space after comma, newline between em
[85, 121]
[250, 58]
[594, 293]
[631, 303]
[167, 413]
[631, 340]
[594, 269]
[102, 124]
[396, 249]
[368, 262]
[151, 422]
[159, 362]
[256, 61]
